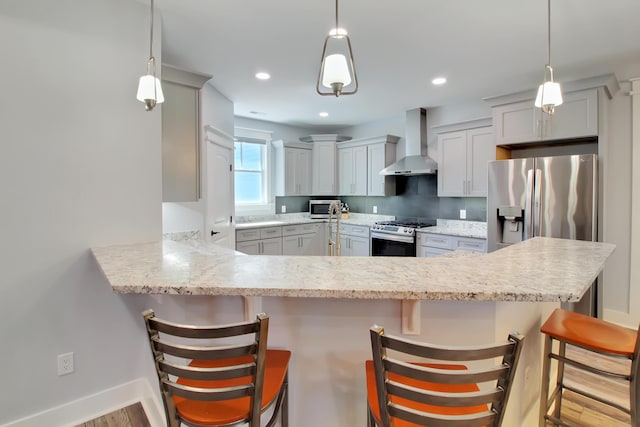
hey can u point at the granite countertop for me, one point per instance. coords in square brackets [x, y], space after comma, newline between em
[539, 269]
[451, 227]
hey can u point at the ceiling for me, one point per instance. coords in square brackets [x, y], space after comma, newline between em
[483, 47]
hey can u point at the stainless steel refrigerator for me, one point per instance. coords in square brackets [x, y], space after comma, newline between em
[544, 196]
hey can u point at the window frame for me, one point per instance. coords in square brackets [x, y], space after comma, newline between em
[267, 206]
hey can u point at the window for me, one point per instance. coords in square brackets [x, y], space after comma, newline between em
[251, 165]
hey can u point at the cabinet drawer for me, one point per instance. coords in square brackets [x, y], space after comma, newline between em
[268, 232]
[471, 244]
[428, 252]
[438, 241]
[292, 230]
[245, 235]
[258, 233]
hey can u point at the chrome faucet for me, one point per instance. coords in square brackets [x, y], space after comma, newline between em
[334, 246]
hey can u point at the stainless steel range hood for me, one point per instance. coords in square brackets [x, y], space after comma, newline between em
[414, 163]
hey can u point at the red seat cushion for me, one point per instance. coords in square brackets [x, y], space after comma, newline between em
[229, 411]
[372, 394]
[589, 332]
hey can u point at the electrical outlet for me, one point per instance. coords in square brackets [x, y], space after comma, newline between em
[463, 214]
[375, 209]
[283, 209]
[65, 364]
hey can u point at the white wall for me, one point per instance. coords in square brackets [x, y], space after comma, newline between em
[215, 110]
[79, 167]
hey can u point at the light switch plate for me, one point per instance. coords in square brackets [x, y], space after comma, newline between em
[463, 214]
[283, 209]
[375, 209]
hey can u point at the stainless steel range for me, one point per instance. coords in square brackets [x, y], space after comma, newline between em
[396, 238]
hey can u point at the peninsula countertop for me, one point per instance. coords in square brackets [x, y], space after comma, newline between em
[539, 269]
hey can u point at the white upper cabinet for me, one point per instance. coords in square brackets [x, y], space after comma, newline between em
[352, 171]
[181, 135]
[292, 172]
[324, 172]
[324, 168]
[462, 162]
[360, 162]
[521, 122]
[379, 156]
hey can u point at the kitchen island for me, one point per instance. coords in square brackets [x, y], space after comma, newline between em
[321, 307]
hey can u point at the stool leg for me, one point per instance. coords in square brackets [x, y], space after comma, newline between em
[544, 385]
[634, 388]
[560, 378]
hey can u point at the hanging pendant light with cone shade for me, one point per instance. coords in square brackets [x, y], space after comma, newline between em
[337, 69]
[149, 87]
[549, 93]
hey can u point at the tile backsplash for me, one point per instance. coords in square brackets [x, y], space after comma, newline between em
[417, 197]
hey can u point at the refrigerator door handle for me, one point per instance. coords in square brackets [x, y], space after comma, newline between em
[528, 207]
[537, 203]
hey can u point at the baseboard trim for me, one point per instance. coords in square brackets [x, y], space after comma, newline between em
[98, 404]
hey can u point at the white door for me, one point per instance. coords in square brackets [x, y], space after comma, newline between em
[220, 227]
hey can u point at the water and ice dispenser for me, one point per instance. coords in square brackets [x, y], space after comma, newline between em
[511, 220]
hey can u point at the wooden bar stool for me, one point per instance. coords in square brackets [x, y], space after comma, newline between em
[594, 335]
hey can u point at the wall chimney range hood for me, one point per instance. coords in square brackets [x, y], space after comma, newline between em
[414, 163]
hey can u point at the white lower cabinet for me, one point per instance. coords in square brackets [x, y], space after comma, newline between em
[434, 244]
[354, 240]
[301, 239]
[260, 241]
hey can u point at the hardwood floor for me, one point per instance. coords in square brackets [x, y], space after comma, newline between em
[583, 412]
[577, 410]
[131, 416]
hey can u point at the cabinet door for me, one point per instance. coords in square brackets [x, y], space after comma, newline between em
[345, 249]
[452, 164]
[304, 172]
[290, 171]
[271, 246]
[480, 150]
[180, 153]
[429, 252]
[291, 245]
[324, 168]
[359, 171]
[307, 245]
[345, 171]
[376, 162]
[358, 246]
[517, 122]
[250, 248]
[576, 117]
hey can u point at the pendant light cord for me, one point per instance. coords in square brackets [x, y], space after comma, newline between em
[548, 32]
[151, 34]
[336, 17]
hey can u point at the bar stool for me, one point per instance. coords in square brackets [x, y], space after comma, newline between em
[436, 392]
[594, 335]
[205, 382]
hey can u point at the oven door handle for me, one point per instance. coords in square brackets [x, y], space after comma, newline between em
[392, 237]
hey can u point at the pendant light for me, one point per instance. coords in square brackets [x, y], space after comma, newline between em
[337, 70]
[549, 93]
[149, 87]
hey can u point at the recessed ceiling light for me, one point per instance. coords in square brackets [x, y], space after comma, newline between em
[324, 114]
[439, 81]
[263, 76]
